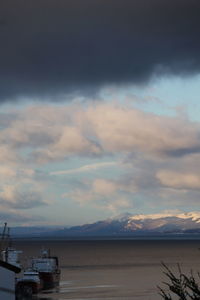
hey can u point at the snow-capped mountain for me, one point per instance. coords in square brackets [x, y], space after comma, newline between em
[165, 222]
[126, 225]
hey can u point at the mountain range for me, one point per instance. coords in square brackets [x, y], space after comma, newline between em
[122, 225]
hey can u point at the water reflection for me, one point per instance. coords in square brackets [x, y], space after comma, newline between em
[48, 295]
[38, 298]
[68, 287]
[64, 287]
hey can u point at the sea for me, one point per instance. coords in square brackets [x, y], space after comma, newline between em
[117, 269]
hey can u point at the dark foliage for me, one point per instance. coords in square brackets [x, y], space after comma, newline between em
[181, 286]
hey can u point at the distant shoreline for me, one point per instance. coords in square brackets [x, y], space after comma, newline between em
[151, 237]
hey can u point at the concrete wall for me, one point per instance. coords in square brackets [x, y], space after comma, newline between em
[7, 284]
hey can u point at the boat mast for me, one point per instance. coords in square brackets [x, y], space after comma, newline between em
[4, 236]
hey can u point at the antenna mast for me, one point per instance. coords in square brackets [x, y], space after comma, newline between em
[4, 236]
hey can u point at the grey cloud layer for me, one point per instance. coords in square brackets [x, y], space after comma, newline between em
[51, 47]
[13, 216]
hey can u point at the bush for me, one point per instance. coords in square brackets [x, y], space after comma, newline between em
[181, 285]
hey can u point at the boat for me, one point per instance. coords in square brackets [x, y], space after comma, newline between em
[48, 269]
[44, 271]
[9, 254]
[30, 283]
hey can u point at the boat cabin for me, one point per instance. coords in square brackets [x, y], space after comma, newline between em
[44, 264]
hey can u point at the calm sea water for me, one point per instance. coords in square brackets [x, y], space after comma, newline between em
[116, 269]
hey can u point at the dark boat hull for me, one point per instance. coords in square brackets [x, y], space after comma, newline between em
[50, 279]
[26, 287]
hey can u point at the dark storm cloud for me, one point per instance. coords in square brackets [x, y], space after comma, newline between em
[50, 47]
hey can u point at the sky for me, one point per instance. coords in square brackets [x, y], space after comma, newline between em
[99, 109]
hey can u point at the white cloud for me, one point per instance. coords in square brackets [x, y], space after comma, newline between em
[7, 172]
[16, 197]
[54, 133]
[103, 194]
[86, 168]
[8, 155]
[121, 129]
[162, 153]
[104, 187]
[178, 179]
